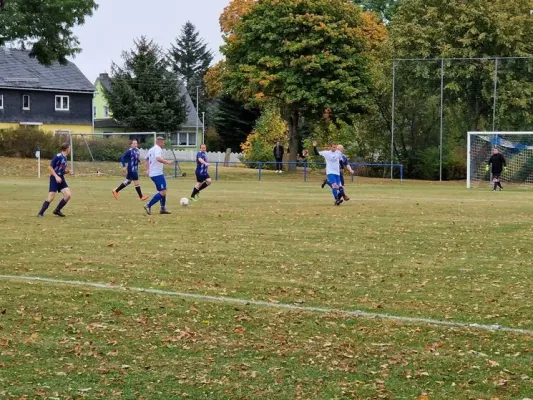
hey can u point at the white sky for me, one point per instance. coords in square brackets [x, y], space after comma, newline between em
[117, 22]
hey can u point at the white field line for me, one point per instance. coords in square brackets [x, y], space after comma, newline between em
[283, 306]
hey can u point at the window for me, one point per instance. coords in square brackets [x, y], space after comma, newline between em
[184, 139]
[26, 102]
[106, 112]
[1, 101]
[62, 103]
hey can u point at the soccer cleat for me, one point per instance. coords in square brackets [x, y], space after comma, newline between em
[164, 212]
[324, 183]
[145, 197]
[338, 202]
[195, 198]
[40, 216]
[58, 213]
[148, 210]
[501, 189]
[345, 198]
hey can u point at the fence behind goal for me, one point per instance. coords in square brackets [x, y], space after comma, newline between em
[516, 147]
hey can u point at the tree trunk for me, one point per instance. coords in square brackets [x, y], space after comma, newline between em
[294, 140]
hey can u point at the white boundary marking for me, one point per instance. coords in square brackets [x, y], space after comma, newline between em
[283, 306]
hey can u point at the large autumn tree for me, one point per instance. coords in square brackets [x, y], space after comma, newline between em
[307, 56]
[45, 26]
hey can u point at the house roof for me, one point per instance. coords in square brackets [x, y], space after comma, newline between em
[104, 80]
[192, 116]
[20, 71]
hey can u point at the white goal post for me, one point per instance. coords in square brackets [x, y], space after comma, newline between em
[516, 147]
[86, 141]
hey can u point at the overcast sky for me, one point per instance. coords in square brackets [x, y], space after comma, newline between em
[117, 22]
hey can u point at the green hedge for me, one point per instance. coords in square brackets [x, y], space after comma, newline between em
[24, 142]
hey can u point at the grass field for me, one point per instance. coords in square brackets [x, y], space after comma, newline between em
[421, 250]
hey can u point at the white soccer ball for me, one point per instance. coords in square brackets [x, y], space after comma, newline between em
[184, 201]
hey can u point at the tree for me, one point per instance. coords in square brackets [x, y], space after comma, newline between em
[191, 59]
[233, 13]
[384, 8]
[233, 121]
[145, 94]
[432, 29]
[304, 55]
[269, 129]
[45, 26]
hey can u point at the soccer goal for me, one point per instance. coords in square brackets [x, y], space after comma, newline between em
[516, 147]
[99, 153]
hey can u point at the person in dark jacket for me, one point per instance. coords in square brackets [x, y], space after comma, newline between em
[496, 165]
[278, 155]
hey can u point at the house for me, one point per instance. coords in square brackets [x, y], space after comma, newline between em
[56, 99]
[185, 139]
[103, 117]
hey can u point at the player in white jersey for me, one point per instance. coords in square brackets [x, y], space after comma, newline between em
[333, 158]
[154, 162]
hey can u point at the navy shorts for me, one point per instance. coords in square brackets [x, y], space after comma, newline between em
[57, 187]
[202, 177]
[132, 175]
[160, 182]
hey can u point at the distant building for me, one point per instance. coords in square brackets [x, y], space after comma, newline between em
[57, 99]
[185, 139]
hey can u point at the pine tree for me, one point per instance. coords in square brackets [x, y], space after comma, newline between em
[145, 95]
[190, 60]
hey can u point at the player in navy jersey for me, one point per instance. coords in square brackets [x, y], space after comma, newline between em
[58, 169]
[203, 179]
[130, 166]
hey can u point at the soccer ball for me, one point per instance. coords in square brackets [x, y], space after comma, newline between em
[184, 201]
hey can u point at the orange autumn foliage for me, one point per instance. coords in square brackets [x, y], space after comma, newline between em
[233, 13]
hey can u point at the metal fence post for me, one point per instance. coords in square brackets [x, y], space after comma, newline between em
[259, 172]
[175, 169]
[216, 171]
[305, 171]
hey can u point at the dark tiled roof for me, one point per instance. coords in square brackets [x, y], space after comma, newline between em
[190, 122]
[105, 80]
[19, 70]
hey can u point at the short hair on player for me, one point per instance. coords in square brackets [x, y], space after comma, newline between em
[65, 146]
[160, 138]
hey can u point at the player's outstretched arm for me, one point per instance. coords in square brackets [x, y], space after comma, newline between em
[315, 150]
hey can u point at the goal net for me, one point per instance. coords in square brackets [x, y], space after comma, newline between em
[97, 154]
[516, 147]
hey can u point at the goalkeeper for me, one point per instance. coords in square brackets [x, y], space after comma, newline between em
[496, 165]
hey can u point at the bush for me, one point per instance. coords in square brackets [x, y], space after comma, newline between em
[23, 142]
[258, 150]
[102, 148]
[259, 145]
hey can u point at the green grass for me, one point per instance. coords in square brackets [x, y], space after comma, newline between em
[417, 249]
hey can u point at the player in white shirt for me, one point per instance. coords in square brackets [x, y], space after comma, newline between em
[154, 162]
[333, 171]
